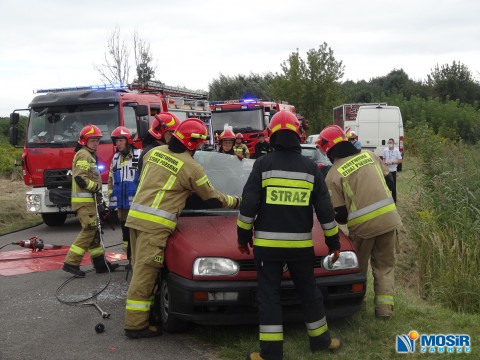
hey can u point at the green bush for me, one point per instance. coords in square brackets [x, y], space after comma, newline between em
[446, 219]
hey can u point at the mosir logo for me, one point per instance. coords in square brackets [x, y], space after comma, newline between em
[433, 343]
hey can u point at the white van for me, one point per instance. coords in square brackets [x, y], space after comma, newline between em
[376, 124]
[312, 139]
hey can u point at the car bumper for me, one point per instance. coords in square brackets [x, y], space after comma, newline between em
[339, 299]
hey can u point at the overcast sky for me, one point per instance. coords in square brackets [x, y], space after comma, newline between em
[48, 43]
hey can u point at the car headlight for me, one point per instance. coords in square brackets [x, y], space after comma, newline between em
[33, 202]
[347, 260]
[215, 266]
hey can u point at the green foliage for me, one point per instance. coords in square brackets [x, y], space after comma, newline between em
[312, 85]
[454, 82]
[8, 153]
[240, 86]
[446, 219]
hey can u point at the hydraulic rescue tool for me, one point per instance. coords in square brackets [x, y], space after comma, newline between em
[36, 244]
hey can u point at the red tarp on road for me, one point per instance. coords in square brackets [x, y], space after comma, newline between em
[26, 261]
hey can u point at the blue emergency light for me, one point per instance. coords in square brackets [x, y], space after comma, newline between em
[89, 87]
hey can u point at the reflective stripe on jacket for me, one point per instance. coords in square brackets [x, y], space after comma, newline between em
[123, 179]
[84, 165]
[166, 181]
[358, 183]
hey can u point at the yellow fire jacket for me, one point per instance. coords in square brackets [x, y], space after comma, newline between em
[167, 180]
[86, 179]
[358, 183]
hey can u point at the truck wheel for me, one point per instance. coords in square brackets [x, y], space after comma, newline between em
[169, 322]
[54, 219]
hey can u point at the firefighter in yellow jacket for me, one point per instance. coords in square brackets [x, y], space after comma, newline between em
[87, 184]
[168, 177]
[360, 187]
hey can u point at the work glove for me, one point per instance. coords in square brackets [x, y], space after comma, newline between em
[243, 247]
[240, 157]
[336, 255]
[101, 206]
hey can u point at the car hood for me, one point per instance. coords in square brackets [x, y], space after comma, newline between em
[211, 236]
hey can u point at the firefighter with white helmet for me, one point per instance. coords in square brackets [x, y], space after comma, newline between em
[240, 149]
[279, 197]
[352, 137]
[87, 184]
[168, 178]
[360, 187]
[123, 179]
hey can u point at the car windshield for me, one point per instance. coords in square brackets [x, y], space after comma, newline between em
[60, 126]
[239, 120]
[316, 155]
[227, 174]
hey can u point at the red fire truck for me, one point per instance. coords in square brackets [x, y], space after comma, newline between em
[55, 118]
[249, 117]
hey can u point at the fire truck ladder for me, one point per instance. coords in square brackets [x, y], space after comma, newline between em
[158, 87]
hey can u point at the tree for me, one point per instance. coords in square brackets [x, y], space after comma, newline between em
[240, 86]
[453, 82]
[312, 85]
[143, 59]
[116, 68]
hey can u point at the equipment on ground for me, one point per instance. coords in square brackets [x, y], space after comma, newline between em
[93, 302]
[36, 244]
[99, 328]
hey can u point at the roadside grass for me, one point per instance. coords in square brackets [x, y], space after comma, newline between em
[362, 335]
[13, 214]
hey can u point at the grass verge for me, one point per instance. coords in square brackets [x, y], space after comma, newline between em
[13, 214]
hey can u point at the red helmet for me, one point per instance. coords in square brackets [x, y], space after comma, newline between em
[227, 135]
[122, 132]
[163, 122]
[87, 132]
[284, 120]
[191, 133]
[329, 137]
[239, 136]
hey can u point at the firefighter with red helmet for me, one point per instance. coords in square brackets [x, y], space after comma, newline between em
[86, 185]
[240, 149]
[169, 176]
[278, 200]
[360, 186]
[123, 179]
[160, 133]
[226, 141]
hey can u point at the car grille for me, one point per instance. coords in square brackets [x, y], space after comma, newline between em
[58, 177]
[249, 265]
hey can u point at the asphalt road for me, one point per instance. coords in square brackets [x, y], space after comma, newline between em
[35, 325]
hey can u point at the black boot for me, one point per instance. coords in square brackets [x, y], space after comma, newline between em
[73, 269]
[148, 332]
[102, 266]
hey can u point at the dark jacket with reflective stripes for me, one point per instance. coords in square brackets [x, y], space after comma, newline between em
[277, 207]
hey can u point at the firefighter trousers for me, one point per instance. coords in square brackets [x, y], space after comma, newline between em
[148, 257]
[380, 250]
[88, 238]
[122, 217]
[270, 309]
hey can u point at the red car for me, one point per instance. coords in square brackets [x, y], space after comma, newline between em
[207, 281]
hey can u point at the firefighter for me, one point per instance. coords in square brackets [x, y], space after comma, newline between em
[241, 150]
[169, 177]
[352, 137]
[160, 133]
[360, 186]
[87, 184]
[226, 141]
[123, 179]
[277, 209]
[262, 147]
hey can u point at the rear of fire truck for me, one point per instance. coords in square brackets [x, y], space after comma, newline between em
[247, 116]
[55, 118]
